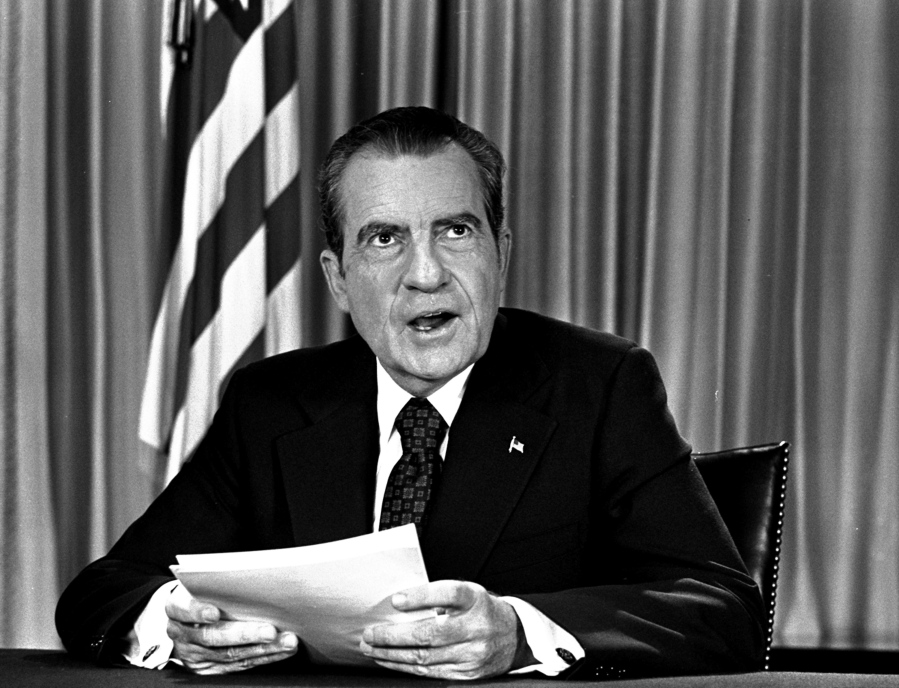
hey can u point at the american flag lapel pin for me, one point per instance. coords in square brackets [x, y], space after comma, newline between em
[515, 445]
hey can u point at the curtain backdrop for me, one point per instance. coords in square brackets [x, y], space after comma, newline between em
[714, 179]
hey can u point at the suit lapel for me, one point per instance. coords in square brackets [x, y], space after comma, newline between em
[328, 467]
[486, 470]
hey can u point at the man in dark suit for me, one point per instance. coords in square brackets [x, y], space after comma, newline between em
[563, 523]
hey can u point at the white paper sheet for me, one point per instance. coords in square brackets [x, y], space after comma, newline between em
[327, 594]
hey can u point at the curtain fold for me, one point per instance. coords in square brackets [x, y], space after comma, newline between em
[715, 179]
[28, 580]
[78, 172]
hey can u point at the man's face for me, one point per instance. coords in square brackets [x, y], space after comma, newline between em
[422, 274]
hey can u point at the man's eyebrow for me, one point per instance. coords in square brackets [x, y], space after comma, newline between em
[460, 219]
[374, 228]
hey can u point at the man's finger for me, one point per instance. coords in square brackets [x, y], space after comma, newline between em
[457, 654]
[446, 594]
[447, 672]
[285, 642]
[477, 637]
[437, 631]
[184, 607]
[223, 633]
[202, 659]
[230, 633]
[207, 668]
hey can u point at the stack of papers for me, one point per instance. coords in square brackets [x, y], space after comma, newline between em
[327, 594]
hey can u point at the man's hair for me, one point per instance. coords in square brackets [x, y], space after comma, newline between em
[418, 131]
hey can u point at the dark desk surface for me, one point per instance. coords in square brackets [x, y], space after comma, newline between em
[31, 668]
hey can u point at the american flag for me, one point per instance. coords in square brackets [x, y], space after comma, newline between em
[231, 293]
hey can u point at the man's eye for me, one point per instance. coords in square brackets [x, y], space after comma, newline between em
[384, 239]
[459, 230]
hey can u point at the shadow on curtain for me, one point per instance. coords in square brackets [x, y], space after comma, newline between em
[715, 180]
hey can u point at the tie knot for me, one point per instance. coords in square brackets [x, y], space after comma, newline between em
[421, 426]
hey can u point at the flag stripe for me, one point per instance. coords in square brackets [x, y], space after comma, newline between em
[282, 189]
[284, 329]
[280, 59]
[232, 185]
[179, 138]
[209, 8]
[282, 221]
[230, 128]
[243, 20]
[243, 289]
[274, 9]
[233, 124]
[239, 217]
[226, 336]
[220, 48]
[282, 183]
[282, 163]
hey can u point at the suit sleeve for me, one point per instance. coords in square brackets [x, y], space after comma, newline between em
[666, 590]
[202, 510]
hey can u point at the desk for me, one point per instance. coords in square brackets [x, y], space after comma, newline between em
[46, 668]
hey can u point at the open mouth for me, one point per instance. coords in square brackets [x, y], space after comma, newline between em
[431, 321]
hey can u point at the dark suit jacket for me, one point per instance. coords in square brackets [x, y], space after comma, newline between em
[602, 521]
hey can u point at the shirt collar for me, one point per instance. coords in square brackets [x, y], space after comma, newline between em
[392, 398]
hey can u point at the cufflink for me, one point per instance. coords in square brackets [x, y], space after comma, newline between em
[608, 672]
[96, 644]
[566, 656]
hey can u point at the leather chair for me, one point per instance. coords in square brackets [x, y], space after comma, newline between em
[749, 486]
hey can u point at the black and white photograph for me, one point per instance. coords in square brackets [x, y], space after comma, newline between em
[385, 342]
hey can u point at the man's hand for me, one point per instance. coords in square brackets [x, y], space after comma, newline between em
[207, 644]
[476, 637]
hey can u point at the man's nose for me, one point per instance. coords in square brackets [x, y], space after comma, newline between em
[424, 270]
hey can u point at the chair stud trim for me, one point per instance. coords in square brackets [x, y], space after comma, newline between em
[776, 457]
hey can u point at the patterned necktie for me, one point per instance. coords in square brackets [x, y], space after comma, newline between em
[413, 479]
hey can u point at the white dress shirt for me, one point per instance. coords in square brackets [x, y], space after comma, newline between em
[151, 648]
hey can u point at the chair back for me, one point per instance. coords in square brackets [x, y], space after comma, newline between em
[749, 486]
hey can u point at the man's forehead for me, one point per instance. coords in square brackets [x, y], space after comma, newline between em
[375, 181]
[371, 156]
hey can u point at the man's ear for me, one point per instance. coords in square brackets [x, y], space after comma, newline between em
[504, 244]
[334, 277]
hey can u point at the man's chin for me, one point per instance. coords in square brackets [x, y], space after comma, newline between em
[427, 376]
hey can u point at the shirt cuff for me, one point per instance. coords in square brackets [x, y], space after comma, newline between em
[554, 648]
[148, 642]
